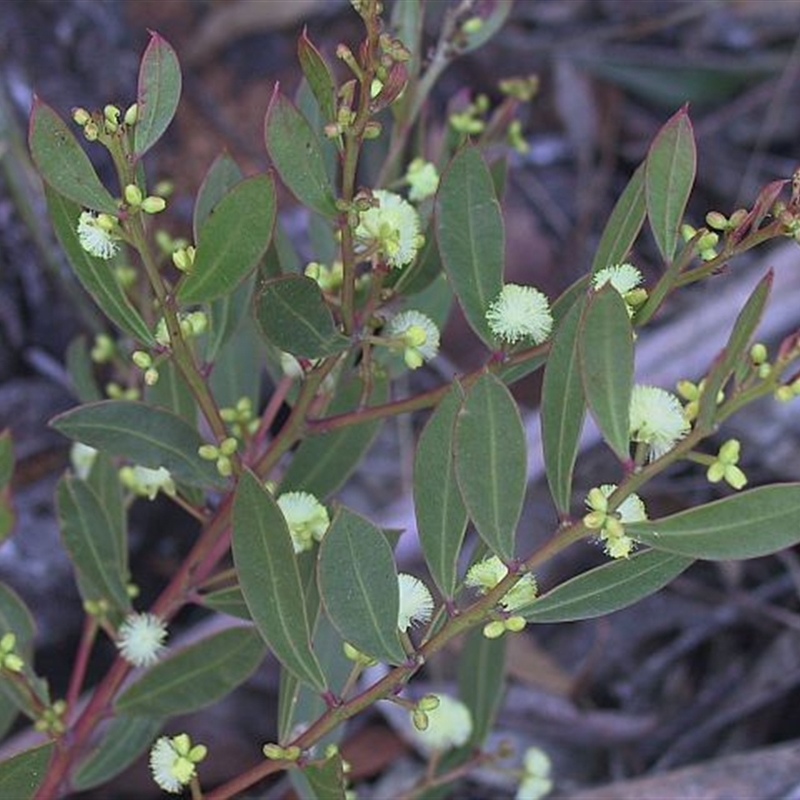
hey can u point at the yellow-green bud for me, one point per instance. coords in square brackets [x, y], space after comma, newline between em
[183, 258]
[429, 702]
[515, 624]
[595, 520]
[91, 131]
[372, 130]
[420, 719]
[133, 195]
[784, 394]
[494, 629]
[106, 222]
[141, 359]
[151, 376]
[764, 370]
[687, 232]
[80, 116]
[208, 452]
[228, 446]
[758, 353]
[472, 25]
[224, 466]
[131, 114]
[717, 221]
[103, 349]
[274, 752]
[111, 114]
[153, 204]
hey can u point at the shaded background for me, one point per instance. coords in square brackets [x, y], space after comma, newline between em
[705, 670]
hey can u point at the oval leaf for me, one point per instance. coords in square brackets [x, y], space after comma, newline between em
[89, 537]
[62, 162]
[608, 588]
[158, 93]
[196, 676]
[669, 177]
[623, 224]
[296, 153]
[270, 580]
[491, 462]
[222, 176]
[481, 681]
[606, 359]
[440, 512]
[292, 315]
[319, 76]
[94, 274]
[324, 462]
[21, 774]
[563, 409]
[358, 586]
[146, 435]
[470, 234]
[738, 342]
[232, 240]
[754, 523]
[123, 742]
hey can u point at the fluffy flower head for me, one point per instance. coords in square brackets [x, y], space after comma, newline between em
[486, 574]
[449, 724]
[392, 228]
[657, 419]
[416, 602]
[623, 277]
[147, 482]
[96, 235]
[536, 782]
[520, 312]
[423, 179]
[173, 762]
[140, 639]
[418, 335]
[306, 517]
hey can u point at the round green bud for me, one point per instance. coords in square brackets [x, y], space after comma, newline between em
[133, 195]
[80, 116]
[758, 353]
[131, 114]
[153, 204]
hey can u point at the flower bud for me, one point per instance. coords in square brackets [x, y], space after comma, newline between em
[153, 204]
[133, 195]
[80, 116]
[131, 114]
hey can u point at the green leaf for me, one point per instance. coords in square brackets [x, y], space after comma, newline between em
[324, 462]
[358, 585]
[292, 315]
[270, 580]
[157, 95]
[228, 601]
[326, 779]
[226, 316]
[62, 162]
[123, 742]
[17, 619]
[6, 457]
[296, 153]
[440, 512]
[492, 20]
[81, 371]
[605, 343]
[233, 376]
[623, 224]
[232, 240]
[750, 524]
[319, 76]
[88, 533]
[563, 408]
[469, 231]
[669, 176]
[196, 676]
[734, 351]
[491, 462]
[608, 588]
[222, 176]
[481, 681]
[94, 274]
[172, 393]
[21, 775]
[151, 437]
[104, 481]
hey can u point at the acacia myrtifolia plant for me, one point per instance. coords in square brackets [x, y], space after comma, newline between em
[198, 321]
